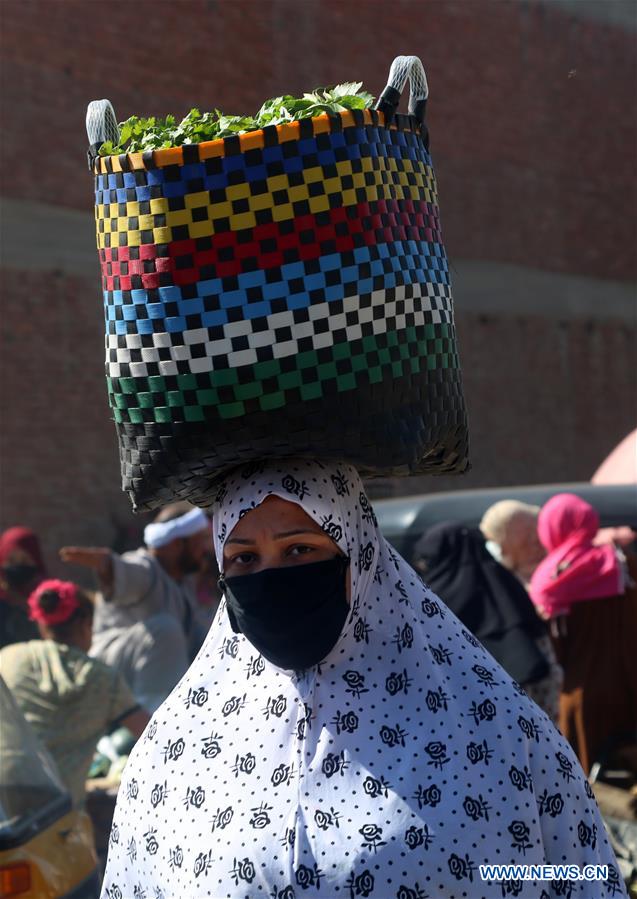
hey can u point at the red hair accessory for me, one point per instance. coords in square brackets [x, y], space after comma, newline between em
[66, 606]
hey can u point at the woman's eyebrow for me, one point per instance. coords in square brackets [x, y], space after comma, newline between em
[249, 542]
[315, 531]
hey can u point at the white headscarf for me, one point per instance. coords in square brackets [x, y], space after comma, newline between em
[393, 769]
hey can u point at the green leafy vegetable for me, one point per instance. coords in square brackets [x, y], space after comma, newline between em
[138, 134]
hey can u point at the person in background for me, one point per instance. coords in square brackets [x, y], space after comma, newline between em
[21, 569]
[588, 594]
[492, 603]
[70, 699]
[510, 529]
[147, 622]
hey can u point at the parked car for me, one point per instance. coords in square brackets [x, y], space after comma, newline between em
[403, 520]
[46, 846]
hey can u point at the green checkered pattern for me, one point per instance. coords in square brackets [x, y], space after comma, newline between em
[266, 385]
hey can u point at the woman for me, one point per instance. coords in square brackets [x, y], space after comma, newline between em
[397, 758]
[589, 596]
[21, 569]
[493, 605]
[69, 699]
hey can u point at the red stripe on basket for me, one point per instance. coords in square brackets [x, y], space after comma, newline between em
[380, 222]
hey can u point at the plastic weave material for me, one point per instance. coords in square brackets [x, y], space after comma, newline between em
[283, 292]
[101, 124]
[404, 67]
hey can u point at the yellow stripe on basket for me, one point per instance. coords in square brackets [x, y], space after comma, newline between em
[242, 221]
[277, 182]
[179, 217]
[296, 194]
[332, 185]
[319, 204]
[238, 192]
[316, 174]
[146, 222]
[194, 201]
[202, 229]
[282, 213]
[164, 235]
[159, 205]
[349, 197]
[264, 201]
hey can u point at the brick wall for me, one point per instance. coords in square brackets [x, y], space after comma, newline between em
[533, 142]
[532, 133]
[59, 470]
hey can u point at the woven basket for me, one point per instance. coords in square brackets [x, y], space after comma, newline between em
[282, 292]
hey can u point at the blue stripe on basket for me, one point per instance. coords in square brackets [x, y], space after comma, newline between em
[383, 142]
[411, 262]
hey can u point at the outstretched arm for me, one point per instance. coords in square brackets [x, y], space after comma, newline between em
[122, 579]
[98, 558]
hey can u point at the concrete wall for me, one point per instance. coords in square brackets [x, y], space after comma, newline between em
[534, 151]
[610, 12]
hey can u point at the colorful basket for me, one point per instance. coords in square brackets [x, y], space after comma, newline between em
[282, 292]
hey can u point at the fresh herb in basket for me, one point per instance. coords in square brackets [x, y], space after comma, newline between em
[137, 134]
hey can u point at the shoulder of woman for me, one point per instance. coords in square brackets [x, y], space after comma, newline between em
[11, 656]
[89, 670]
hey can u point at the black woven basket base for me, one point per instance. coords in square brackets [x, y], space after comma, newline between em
[161, 463]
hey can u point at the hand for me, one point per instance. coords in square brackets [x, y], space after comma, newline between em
[96, 557]
[623, 536]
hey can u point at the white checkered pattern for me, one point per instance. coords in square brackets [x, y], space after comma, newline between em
[421, 304]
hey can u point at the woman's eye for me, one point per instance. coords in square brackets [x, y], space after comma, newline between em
[300, 550]
[243, 558]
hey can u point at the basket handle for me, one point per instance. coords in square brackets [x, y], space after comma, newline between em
[402, 68]
[101, 125]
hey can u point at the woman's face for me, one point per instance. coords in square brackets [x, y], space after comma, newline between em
[522, 550]
[276, 534]
[19, 558]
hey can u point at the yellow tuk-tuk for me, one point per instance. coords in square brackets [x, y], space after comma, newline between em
[46, 846]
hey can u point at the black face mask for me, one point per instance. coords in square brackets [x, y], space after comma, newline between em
[19, 575]
[293, 616]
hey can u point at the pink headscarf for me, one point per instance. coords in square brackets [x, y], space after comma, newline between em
[574, 568]
[21, 538]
